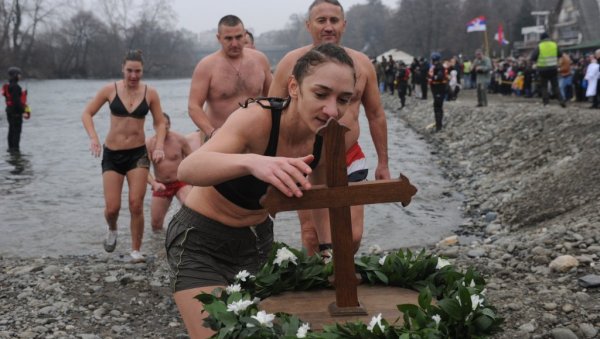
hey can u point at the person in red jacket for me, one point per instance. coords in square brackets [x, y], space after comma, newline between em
[16, 107]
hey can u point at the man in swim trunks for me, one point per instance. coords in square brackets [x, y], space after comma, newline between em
[326, 24]
[164, 183]
[226, 78]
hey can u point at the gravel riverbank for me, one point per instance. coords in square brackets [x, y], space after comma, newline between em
[530, 178]
[530, 175]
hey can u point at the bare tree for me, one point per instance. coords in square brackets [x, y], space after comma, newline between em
[366, 27]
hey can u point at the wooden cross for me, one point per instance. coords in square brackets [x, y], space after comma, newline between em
[338, 196]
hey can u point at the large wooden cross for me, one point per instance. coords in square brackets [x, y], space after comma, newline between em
[338, 196]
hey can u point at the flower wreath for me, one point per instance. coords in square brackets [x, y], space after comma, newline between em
[461, 309]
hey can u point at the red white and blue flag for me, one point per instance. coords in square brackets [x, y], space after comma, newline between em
[476, 25]
[500, 36]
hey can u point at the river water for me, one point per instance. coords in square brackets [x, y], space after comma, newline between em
[51, 200]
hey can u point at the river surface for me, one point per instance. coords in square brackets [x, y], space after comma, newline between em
[51, 200]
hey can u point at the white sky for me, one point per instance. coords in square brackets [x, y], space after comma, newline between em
[259, 16]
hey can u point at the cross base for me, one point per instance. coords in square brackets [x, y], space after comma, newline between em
[312, 306]
[336, 311]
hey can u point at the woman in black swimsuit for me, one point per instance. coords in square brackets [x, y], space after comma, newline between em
[125, 154]
[222, 229]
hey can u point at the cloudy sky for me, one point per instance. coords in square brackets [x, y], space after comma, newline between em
[258, 15]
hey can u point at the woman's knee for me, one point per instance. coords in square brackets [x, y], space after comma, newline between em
[112, 210]
[136, 206]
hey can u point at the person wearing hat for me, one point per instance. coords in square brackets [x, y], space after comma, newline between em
[438, 80]
[16, 107]
[546, 57]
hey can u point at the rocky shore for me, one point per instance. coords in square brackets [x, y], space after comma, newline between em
[530, 176]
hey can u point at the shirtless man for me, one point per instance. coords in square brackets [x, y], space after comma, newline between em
[164, 183]
[326, 23]
[226, 78]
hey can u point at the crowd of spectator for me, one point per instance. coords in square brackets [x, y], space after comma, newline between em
[512, 76]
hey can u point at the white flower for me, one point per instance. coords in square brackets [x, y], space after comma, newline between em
[376, 321]
[382, 260]
[238, 306]
[484, 292]
[441, 263]
[302, 330]
[476, 301]
[264, 318]
[472, 284]
[374, 249]
[233, 288]
[437, 320]
[242, 275]
[283, 254]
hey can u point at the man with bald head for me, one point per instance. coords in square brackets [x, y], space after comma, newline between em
[326, 24]
[225, 78]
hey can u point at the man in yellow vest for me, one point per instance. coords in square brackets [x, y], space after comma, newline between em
[545, 56]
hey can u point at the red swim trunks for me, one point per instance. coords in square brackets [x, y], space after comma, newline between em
[356, 164]
[170, 190]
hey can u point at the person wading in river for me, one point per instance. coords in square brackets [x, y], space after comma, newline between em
[124, 154]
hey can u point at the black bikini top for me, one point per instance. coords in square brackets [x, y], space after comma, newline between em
[246, 191]
[118, 109]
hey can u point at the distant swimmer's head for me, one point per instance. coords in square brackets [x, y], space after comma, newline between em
[323, 84]
[133, 67]
[168, 118]
[231, 35]
[249, 40]
[14, 73]
[326, 21]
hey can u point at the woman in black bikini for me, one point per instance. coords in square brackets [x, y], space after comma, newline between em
[222, 229]
[125, 154]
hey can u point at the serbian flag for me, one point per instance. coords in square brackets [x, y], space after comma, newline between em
[500, 36]
[476, 25]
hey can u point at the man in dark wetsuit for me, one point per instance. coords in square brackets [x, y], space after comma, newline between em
[402, 76]
[438, 80]
[326, 24]
[16, 108]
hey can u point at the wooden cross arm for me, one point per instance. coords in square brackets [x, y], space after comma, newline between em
[359, 193]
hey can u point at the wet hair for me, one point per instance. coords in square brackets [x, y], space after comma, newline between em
[13, 73]
[133, 55]
[319, 55]
[316, 56]
[331, 2]
[167, 117]
[230, 21]
[250, 35]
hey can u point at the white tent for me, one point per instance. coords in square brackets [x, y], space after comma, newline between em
[397, 55]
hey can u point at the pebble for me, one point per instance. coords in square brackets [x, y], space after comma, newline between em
[590, 280]
[563, 333]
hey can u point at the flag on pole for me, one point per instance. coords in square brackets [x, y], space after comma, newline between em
[476, 25]
[500, 36]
